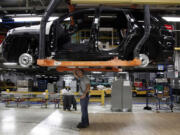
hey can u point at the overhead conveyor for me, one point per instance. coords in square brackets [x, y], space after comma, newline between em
[137, 61]
[129, 2]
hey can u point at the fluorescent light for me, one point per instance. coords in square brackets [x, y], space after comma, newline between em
[21, 15]
[97, 72]
[122, 72]
[9, 63]
[103, 16]
[31, 19]
[27, 19]
[67, 19]
[172, 19]
[53, 18]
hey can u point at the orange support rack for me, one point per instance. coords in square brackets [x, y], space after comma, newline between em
[113, 69]
[111, 63]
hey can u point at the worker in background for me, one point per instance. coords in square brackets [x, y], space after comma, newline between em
[84, 87]
[66, 104]
[72, 100]
[68, 99]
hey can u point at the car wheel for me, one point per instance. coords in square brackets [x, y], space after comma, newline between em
[144, 60]
[25, 60]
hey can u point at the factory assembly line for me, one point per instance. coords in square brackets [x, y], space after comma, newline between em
[129, 51]
[90, 67]
[136, 40]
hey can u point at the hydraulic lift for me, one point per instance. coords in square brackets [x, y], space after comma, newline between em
[137, 61]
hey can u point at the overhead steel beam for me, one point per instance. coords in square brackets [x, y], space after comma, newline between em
[21, 8]
[144, 2]
[4, 3]
[27, 5]
[42, 3]
[37, 8]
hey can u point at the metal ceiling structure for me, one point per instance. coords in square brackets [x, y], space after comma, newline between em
[148, 2]
[171, 5]
[39, 6]
[27, 6]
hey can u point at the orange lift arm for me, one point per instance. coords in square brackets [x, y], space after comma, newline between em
[110, 63]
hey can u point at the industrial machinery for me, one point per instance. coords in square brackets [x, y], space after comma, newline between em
[163, 93]
[121, 95]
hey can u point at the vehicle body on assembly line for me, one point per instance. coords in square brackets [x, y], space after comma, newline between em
[92, 36]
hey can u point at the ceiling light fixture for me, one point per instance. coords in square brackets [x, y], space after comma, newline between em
[97, 72]
[31, 19]
[103, 17]
[10, 64]
[67, 19]
[21, 15]
[172, 19]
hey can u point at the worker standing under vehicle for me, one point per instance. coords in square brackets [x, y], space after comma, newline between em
[84, 87]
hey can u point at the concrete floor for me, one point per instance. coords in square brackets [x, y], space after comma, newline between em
[133, 124]
[35, 120]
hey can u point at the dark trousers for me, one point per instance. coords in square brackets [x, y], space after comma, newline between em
[84, 110]
[69, 100]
